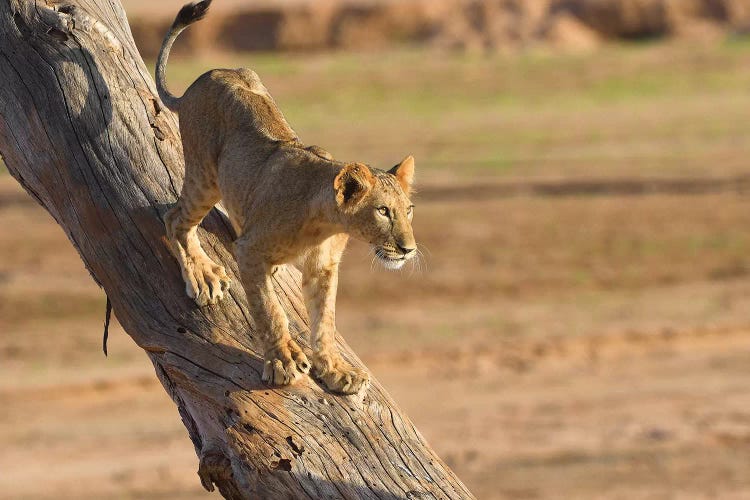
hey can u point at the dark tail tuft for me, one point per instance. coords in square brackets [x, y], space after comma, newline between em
[188, 15]
[192, 12]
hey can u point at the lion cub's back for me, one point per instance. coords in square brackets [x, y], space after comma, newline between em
[236, 101]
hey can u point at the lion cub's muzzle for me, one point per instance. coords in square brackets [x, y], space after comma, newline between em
[394, 257]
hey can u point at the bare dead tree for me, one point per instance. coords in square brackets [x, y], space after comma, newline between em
[82, 130]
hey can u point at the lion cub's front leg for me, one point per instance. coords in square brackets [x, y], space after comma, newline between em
[319, 283]
[284, 361]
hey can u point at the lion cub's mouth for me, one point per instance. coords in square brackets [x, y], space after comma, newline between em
[389, 259]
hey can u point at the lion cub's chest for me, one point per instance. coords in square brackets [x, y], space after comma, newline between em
[310, 235]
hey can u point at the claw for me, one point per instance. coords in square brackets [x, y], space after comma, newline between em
[285, 364]
[339, 376]
[205, 282]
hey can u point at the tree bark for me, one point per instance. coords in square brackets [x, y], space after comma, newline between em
[82, 129]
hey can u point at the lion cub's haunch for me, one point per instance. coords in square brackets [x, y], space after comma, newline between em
[287, 202]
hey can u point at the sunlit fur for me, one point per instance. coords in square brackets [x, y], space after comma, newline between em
[287, 202]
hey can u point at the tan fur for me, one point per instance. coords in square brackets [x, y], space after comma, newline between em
[288, 204]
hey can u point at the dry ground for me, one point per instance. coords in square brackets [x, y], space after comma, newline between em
[574, 346]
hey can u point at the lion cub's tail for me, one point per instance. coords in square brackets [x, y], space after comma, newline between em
[189, 14]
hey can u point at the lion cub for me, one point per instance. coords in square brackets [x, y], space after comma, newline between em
[287, 202]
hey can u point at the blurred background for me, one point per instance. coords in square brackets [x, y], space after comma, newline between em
[580, 326]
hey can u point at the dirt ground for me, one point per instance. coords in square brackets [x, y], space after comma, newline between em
[579, 340]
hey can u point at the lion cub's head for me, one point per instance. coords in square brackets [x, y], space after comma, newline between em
[375, 208]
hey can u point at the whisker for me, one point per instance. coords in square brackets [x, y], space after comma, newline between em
[421, 259]
[421, 247]
[374, 253]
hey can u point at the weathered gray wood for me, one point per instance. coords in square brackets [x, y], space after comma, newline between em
[82, 130]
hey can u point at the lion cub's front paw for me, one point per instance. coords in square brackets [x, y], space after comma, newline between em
[285, 364]
[205, 282]
[339, 376]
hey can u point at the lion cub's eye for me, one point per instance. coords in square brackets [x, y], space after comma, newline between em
[409, 210]
[383, 211]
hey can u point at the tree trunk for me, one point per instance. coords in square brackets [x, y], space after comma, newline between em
[81, 128]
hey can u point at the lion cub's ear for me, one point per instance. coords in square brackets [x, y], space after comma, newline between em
[352, 184]
[404, 172]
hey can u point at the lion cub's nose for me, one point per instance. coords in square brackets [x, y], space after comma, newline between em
[404, 250]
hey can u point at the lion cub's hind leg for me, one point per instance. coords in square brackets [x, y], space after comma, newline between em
[205, 281]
